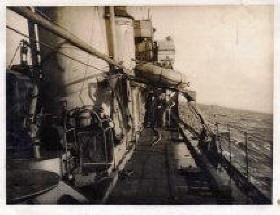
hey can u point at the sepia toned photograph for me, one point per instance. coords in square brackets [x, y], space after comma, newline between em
[139, 105]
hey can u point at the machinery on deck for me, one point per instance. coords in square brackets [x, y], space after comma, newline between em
[22, 108]
[88, 144]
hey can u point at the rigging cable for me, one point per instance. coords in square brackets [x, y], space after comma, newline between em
[86, 69]
[74, 59]
[130, 77]
[55, 50]
[13, 58]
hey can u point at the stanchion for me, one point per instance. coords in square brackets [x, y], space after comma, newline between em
[229, 141]
[113, 144]
[218, 139]
[247, 163]
[230, 169]
[247, 160]
[218, 146]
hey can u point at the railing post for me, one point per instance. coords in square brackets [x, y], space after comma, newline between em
[218, 146]
[112, 139]
[247, 161]
[218, 139]
[169, 117]
[229, 142]
[217, 130]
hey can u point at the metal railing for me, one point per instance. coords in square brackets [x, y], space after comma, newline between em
[236, 145]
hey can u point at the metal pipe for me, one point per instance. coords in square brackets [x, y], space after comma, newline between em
[105, 145]
[113, 31]
[34, 36]
[112, 139]
[61, 32]
[139, 115]
[129, 105]
[169, 112]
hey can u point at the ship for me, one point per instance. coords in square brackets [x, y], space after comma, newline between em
[93, 115]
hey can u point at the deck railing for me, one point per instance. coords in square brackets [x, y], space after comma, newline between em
[236, 155]
[239, 149]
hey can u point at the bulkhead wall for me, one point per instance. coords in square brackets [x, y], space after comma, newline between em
[67, 79]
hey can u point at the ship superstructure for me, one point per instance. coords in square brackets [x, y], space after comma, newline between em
[96, 107]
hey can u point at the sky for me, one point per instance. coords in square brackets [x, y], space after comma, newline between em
[225, 51]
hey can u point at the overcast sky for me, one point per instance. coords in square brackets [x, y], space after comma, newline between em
[226, 51]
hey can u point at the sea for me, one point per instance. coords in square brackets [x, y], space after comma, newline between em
[245, 127]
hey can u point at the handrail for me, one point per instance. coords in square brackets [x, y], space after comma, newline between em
[239, 129]
[240, 180]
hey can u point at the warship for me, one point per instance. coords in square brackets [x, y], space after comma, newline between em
[94, 116]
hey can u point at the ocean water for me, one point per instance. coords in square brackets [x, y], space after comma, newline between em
[259, 128]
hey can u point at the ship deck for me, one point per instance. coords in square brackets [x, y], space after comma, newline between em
[162, 173]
